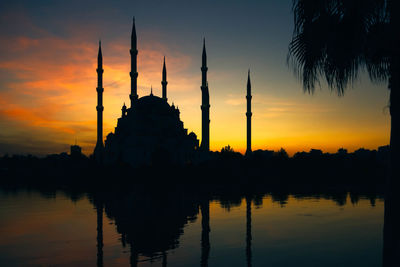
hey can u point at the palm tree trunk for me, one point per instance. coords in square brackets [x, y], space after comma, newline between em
[395, 132]
[391, 230]
[394, 84]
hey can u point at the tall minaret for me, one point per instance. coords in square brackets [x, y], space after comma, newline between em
[98, 151]
[134, 74]
[205, 104]
[164, 82]
[248, 115]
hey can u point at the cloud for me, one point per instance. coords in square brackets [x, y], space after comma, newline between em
[235, 100]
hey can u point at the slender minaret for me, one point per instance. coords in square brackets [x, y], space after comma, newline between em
[134, 74]
[205, 104]
[123, 111]
[164, 82]
[248, 114]
[98, 151]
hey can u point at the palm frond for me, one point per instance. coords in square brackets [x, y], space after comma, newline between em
[335, 39]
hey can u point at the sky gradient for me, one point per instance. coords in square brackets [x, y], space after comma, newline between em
[48, 59]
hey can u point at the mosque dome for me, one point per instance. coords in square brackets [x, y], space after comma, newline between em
[152, 104]
[149, 132]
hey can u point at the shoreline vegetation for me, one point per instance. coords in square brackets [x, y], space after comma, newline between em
[361, 170]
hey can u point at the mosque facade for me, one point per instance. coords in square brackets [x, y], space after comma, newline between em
[150, 130]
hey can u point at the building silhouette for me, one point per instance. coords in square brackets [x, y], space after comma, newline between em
[99, 149]
[150, 131]
[75, 151]
[164, 82]
[205, 103]
[134, 74]
[248, 114]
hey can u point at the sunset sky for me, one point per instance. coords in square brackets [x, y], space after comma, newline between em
[48, 57]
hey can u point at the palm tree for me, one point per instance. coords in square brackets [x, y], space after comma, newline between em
[335, 39]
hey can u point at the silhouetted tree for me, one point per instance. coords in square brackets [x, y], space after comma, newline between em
[227, 149]
[334, 39]
[281, 154]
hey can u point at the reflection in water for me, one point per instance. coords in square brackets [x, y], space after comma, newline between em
[248, 231]
[134, 256]
[99, 210]
[164, 259]
[205, 231]
[150, 224]
[391, 231]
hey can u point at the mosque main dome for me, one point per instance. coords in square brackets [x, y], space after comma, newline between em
[150, 132]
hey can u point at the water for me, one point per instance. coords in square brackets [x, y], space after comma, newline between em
[148, 229]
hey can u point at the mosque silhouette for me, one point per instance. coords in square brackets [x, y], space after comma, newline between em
[150, 131]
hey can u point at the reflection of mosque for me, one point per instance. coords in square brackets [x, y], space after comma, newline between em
[152, 223]
[150, 130]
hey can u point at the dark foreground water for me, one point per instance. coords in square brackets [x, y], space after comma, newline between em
[184, 229]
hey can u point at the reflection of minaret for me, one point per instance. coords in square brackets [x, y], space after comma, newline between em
[205, 232]
[248, 231]
[98, 151]
[248, 115]
[205, 104]
[134, 256]
[164, 259]
[134, 74]
[164, 82]
[99, 208]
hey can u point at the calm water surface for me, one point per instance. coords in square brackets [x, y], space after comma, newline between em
[56, 229]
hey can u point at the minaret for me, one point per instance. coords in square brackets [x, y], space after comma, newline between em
[205, 104]
[123, 110]
[98, 151]
[164, 82]
[134, 74]
[248, 114]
